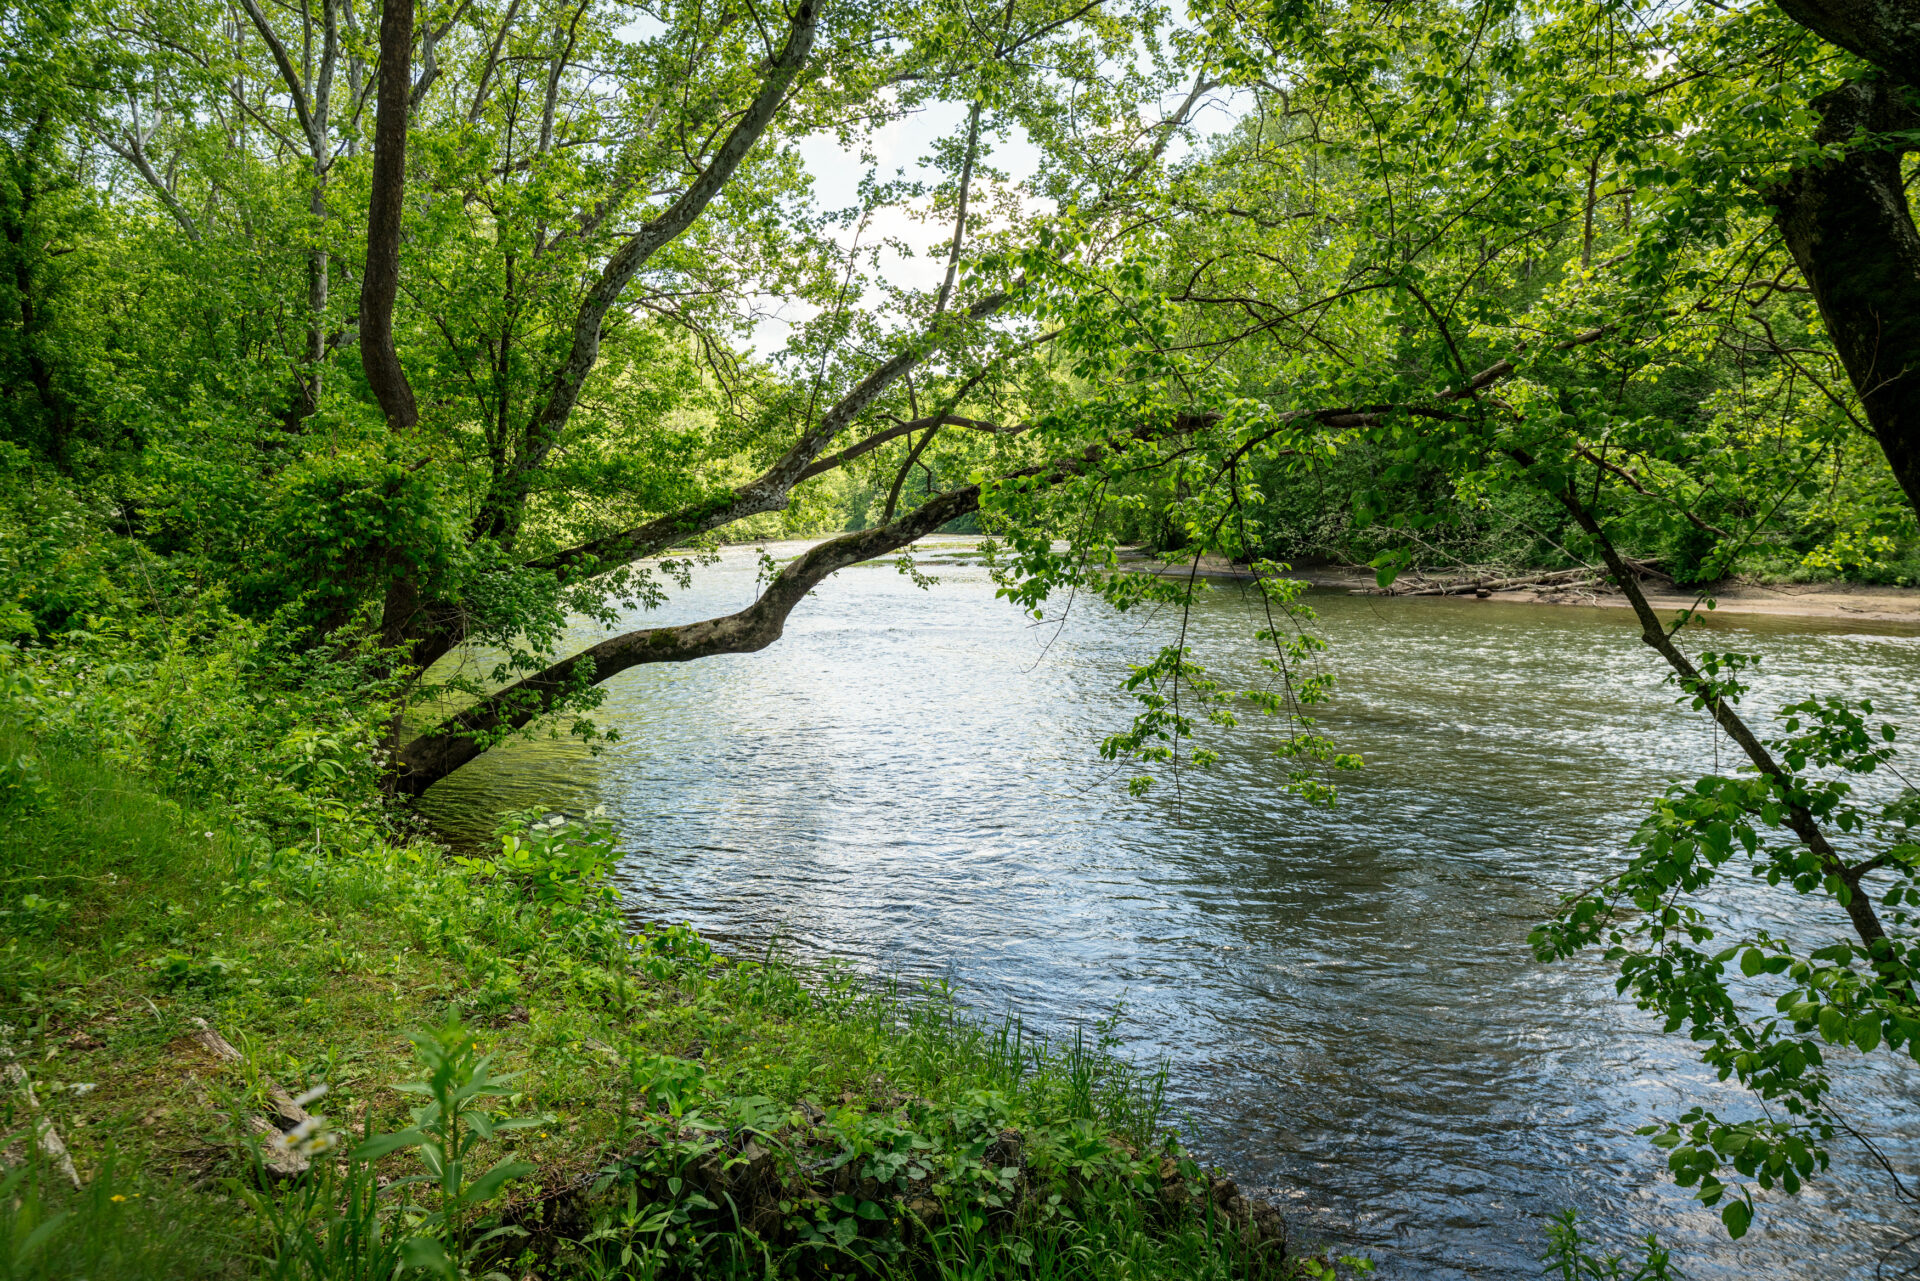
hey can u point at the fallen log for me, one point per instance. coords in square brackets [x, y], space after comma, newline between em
[1460, 587]
[45, 1136]
[280, 1160]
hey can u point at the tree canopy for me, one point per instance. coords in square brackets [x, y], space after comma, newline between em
[400, 328]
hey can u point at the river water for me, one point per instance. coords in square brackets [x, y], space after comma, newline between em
[910, 779]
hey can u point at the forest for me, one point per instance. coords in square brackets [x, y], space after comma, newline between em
[380, 380]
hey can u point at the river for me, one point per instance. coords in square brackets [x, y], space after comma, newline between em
[910, 779]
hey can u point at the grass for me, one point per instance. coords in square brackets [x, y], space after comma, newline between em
[517, 1082]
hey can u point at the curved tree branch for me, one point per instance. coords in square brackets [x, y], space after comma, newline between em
[462, 737]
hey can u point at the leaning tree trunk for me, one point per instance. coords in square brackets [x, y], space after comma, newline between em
[1847, 223]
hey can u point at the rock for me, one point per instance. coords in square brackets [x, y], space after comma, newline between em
[1005, 1150]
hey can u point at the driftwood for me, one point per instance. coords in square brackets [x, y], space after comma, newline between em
[281, 1161]
[45, 1136]
[1468, 586]
[1582, 577]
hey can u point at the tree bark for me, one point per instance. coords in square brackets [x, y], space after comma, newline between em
[1881, 31]
[380, 281]
[1847, 223]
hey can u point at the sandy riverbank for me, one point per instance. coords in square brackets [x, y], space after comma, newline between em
[1842, 601]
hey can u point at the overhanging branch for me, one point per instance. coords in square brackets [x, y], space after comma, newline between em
[462, 737]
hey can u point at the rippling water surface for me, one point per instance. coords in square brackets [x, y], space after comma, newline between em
[910, 779]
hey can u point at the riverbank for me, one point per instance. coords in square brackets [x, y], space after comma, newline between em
[230, 1056]
[1834, 600]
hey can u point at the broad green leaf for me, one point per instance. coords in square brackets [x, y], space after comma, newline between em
[381, 1144]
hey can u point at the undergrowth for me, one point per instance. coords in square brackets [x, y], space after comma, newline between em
[513, 1079]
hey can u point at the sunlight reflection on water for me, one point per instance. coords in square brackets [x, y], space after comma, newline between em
[909, 779]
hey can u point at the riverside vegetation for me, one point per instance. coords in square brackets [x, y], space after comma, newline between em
[514, 1076]
[509, 1077]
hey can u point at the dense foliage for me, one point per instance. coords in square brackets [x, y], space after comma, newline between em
[339, 342]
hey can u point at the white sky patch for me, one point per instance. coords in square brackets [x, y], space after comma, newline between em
[900, 148]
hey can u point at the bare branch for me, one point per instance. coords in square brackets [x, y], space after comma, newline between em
[295, 88]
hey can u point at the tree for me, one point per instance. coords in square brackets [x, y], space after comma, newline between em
[530, 381]
[1551, 251]
[43, 211]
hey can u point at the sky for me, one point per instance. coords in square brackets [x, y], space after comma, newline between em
[900, 147]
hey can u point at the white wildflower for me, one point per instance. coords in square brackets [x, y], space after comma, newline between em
[311, 1137]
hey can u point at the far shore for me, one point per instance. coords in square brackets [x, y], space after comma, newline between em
[1842, 601]
[1837, 601]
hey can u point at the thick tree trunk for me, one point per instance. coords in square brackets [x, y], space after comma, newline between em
[380, 282]
[1880, 31]
[1849, 227]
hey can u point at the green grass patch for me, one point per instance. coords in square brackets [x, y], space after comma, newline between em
[510, 1078]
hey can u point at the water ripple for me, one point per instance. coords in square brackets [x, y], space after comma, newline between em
[908, 779]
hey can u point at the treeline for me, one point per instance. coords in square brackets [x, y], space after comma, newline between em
[1337, 512]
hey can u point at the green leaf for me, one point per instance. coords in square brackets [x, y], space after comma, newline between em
[381, 1144]
[1866, 1032]
[487, 1186]
[38, 1237]
[427, 1255]
[1738, 1216]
